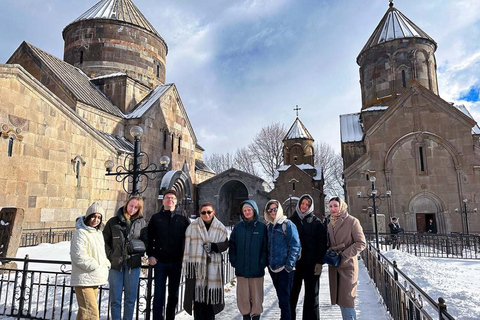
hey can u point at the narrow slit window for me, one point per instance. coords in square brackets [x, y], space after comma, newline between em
[173, 141]
[164, 140]
[158, 70]
[81, 57]
[293, 186]
[404, 79]
[422, 160]
[179, 144]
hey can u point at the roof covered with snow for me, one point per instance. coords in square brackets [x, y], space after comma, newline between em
[148, 101]
[298, 131]
[475, 129]
[351, 129]
[375, 108]
[317, 176]
[394, 25]
[121, 10]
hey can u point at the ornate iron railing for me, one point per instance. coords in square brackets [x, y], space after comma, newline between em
[40, 289]
[455, 245]
[33, 237]
[404, 299]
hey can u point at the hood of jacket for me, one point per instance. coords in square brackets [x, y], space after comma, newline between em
[278, 217]
[255, 209]
[80, 224]
[310, 209]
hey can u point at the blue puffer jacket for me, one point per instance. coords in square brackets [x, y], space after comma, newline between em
[283, 240]
[248, 246]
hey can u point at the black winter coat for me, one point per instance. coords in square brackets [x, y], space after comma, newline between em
[116, 235]
[166, 236]
[313, 238]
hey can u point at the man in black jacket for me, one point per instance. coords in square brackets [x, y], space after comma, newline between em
[166, 241]
[313, 238]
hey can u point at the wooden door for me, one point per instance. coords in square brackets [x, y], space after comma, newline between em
[421, 222]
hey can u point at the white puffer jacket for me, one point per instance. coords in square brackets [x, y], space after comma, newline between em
[87, 251]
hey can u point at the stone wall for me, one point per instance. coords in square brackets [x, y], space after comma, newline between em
[42, 175]
[103, 46]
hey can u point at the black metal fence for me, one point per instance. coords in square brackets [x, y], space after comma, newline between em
[455, 245]
[33, 237]
[40, 289]
[403, 298]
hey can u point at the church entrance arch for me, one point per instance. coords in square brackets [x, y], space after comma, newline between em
[231, 196]
[426, 206]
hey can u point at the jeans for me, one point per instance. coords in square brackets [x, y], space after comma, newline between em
[310, 304]
[348, 313]
[126, 281]
[283, 281]
[173, 272]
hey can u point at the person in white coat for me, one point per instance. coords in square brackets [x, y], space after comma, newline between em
[89, 262]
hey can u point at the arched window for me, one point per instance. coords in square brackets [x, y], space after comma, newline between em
[179, 144]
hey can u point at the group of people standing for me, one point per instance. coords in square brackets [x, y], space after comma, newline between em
[291, 249]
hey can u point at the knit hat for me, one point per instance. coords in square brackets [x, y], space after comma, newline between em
[170, 191]
[95, 208]
[247, 205]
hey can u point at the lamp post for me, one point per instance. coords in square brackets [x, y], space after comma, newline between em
[374, 196]
[139, 170]
[467, 212]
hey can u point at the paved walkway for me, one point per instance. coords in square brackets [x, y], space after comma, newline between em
[369, 304]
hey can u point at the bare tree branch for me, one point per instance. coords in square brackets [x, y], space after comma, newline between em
[267, 148]
[332, 165]
[219, 162]
[244, 161]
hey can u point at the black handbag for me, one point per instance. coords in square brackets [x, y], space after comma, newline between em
[136, 246]
[332, 258]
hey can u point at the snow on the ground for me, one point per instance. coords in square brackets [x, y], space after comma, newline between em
[455, 280]
[369, 304]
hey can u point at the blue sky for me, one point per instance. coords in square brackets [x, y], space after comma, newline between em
[244, 64]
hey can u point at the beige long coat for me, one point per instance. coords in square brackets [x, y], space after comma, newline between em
[347, 237]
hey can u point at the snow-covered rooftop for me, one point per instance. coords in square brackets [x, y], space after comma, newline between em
[350, 127]
[375, 108]
[148, 101]
[394, 25]
[298, 131]
[121, 10]
[475, 129]
[111, 75]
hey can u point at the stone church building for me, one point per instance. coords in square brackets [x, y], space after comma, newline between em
[62, 119]
[298, 175]
[295, 177]
[423, 149]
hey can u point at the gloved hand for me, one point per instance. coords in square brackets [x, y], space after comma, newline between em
[318, 269]
[207, 247]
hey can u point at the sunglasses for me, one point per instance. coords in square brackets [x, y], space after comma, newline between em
[272, 210]
[206, 212]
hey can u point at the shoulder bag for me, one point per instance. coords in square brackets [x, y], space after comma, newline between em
[332, 258]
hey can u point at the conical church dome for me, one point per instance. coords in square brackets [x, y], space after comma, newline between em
[396, 53]
[114, 37]
[298, 145]
[395, 25]
[121, 10]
